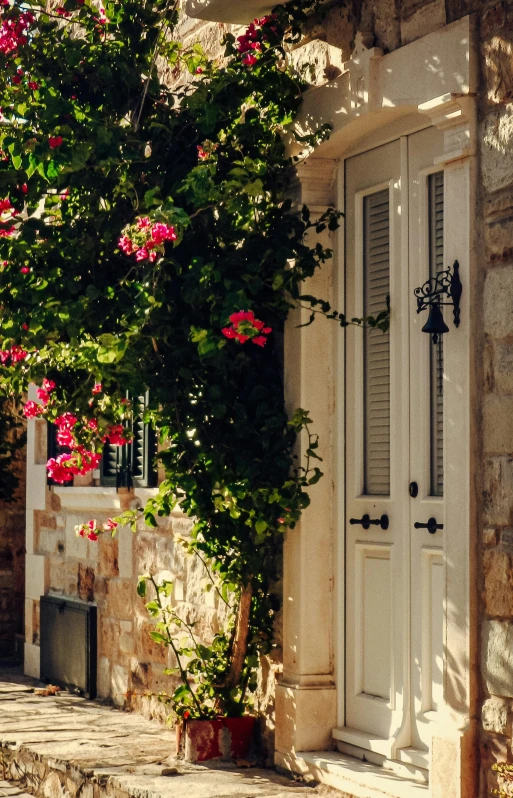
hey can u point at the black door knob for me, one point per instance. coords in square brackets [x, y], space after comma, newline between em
[431, 526]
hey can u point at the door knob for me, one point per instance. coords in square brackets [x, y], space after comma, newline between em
[366, 521]
[431, 526]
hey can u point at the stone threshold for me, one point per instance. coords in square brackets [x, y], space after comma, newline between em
[353, 777]
[65, 746]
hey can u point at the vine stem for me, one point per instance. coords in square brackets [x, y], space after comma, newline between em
[183, 673]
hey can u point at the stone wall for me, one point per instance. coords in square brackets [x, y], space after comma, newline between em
[12, 569]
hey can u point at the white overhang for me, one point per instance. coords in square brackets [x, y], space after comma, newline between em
[233, 11]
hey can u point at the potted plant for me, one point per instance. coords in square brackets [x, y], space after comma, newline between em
[211, 701]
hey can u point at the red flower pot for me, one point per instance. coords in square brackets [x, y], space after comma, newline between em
[222, 738]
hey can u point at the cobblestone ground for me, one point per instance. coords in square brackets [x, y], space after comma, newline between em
[65, 746]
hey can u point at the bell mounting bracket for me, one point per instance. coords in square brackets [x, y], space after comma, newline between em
[443, 289]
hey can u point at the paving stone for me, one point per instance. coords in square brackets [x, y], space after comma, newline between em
[64, 746]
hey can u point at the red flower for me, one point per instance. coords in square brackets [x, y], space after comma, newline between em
[55, 141]
[116, 435]
[92, 424]
[249, 60]
[110, 525]
[24, 188]
[246, 327]
[5, 205]
[97, 388]
[48, 385]
[61, 11]
[43, 395]
[33, 86]
[25, 270]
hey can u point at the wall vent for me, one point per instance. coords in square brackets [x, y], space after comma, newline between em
[68, 644]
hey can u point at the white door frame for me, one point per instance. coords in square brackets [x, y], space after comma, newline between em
[378, 99]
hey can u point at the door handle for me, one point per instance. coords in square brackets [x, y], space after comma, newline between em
[431, 526]
[366, 521]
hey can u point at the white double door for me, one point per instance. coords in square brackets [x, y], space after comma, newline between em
[394, 454]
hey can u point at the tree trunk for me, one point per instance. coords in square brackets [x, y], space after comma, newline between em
[240, 640]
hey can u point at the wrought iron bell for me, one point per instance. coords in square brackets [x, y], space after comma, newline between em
[435, 324]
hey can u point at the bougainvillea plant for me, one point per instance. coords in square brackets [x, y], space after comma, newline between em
[146, 244]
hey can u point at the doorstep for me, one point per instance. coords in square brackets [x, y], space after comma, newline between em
[351, 776]
[66, 746]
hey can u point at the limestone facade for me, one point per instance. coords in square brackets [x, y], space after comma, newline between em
[365, 78]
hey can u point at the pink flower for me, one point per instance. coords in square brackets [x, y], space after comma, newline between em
[66, 420]
[33, 86]
[249, 60]
[25, 270]
[32, 410]
[48, 385]
[55, 141]
[5, 205]
[97, 388]
[110, 525]
[65, 195]
[116, 435]
[246, 327]
[43, 395]
[202, 154]
[259, 340]
[199, 70]
[61, 11]
[18, 354]
[24, 188]
[93, 424]
[143, 223]
[64, 437]
[142, 254]
[163, 232]
[126, 245]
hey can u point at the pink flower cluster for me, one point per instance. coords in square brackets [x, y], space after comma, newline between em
[13, 32]
[77, 463]
[117, 435]
[6, 216]
[250, 43]
[9, 357]
[245, 327]
[146, 240]
[91, 530]
[34, 409]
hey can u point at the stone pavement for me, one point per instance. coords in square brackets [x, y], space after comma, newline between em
[65, 746]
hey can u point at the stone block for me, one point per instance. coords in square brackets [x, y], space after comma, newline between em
[497, 657]
[493, 19]
[119, 685]
[146, 649]
[426, 19]
[126, 639]
[120, 598]
[498, 308]
[498, 69]
[125, 553]
[499, 241]
[103, 678]
[498, 491]
[108, 556]
[37, 576]
[490, 536]
[503, 367]
[85, 582]
[76, 548]
[32, 664]
[496, 715]
[498, 424]
[36, 487]
[497, 149]
[108, 643]
[64, 576]
[498, 582]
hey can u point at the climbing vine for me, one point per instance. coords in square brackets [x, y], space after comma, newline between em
[146, 244]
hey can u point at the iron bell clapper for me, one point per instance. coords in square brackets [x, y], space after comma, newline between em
[435, 325]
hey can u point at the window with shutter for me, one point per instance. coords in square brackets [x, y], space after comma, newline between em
[376, 261]
[436, 264]
[133, 464]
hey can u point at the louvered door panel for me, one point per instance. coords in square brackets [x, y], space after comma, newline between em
[111, 462]
[376, 249]
[436, 264]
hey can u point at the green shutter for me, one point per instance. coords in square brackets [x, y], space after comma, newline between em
[133, 464]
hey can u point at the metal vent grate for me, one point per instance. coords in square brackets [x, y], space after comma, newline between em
[68, 644]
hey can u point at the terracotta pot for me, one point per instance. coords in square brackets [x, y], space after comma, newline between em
[222, 738]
